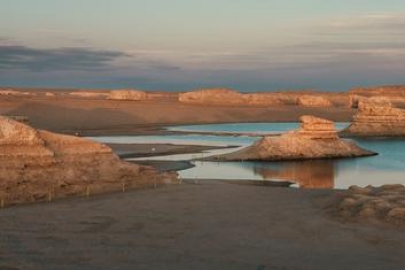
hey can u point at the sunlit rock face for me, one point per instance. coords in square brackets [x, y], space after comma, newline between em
[377, 117]
[127, 94]
[314, 101]
[41, 165]
[316, 139]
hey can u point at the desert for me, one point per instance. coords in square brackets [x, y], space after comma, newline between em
[158, 216]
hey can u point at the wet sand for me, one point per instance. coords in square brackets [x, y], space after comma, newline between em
[212, 225]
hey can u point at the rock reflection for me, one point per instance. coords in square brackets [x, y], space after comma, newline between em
[307, 174]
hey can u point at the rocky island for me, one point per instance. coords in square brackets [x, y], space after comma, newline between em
[377, 117]
[37, 165]
[317, 138]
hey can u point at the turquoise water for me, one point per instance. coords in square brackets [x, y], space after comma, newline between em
[386, 168]
[260, 128]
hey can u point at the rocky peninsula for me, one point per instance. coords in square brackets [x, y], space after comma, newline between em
[37, 165]
[316, 139]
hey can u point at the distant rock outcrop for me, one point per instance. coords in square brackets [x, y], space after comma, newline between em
[317, 138]
[40, 165]
[377, 118]
[385, 203]
[212, 96]
[225, 96]
[313, 101]
[89, 95]
[135, 95]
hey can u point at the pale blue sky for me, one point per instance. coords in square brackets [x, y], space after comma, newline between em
[181, 44]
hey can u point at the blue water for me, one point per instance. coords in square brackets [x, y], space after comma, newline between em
[386, 168]
[259, 128]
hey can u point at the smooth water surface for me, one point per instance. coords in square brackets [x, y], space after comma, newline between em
[254, 128]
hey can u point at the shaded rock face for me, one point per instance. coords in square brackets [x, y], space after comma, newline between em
[41, 165]
[377, 118]
[135, 95]
[316, 139]
[385, 203]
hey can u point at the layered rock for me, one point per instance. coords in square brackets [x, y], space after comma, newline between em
[212, 96]
[40, 165]
[89, 95]
[313, 101]
[385, 203]
[316, 139]
[377, 118]
[134, 95]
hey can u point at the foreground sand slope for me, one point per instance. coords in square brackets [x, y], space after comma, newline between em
[316, 139]
[40, 165]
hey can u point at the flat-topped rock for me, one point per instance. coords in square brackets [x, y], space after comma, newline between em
[39, 165]
[316, 139]
[313, 101]
[377, 118]
[128, 94]
[212, 96]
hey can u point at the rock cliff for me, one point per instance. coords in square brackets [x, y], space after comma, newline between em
[376, 118]
[41, 165]
[317, 138]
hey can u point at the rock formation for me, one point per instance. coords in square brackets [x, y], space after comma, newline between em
[385, 203]
[89, 95]
[313, 101]
[135, 95]
[377, 118]
[317, 138]
[40, 165]
[225, 96]
[212, 96]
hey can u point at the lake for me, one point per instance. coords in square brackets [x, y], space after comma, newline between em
[386, 168]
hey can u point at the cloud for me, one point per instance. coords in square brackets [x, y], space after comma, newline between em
[35, 59]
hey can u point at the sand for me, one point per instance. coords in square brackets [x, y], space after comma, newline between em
[212, 225]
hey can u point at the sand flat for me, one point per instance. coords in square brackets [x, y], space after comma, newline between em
[211, 225]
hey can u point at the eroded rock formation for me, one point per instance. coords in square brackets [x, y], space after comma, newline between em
[135, 95]
[377, 118]
[385, 203]
[225, 96]
[89, 95]
[40, 165]
[313, 101]
[317, 138]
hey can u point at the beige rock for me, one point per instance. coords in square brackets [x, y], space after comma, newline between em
[89, 95]
[315, 140]
[212, 96]
[41, 165]
[376, 118]
[134, 95]
[313, 101]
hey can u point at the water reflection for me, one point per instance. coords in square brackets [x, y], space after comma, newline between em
[306, 174]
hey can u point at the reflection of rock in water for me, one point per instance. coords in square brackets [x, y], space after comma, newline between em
[307, 174]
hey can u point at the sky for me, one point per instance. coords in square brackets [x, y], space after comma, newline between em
[177, 45]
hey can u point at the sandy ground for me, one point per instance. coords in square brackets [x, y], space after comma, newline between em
[93, 117]
[211, 225]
